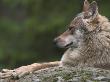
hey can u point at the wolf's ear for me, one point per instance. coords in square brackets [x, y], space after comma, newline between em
[92, 12]
[86, 5]
[93, 8]
[90, 17]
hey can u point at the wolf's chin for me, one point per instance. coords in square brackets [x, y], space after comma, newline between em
[69, 45]
[65, 46]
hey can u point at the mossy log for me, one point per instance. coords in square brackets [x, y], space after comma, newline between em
[64, 74]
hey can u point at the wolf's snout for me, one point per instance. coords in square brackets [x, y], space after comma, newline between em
[59, 42]
[55, 41]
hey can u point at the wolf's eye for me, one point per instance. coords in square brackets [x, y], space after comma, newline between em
[70, 28]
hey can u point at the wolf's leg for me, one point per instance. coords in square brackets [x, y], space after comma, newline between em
[24, 70]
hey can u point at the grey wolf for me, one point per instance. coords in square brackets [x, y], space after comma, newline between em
[87, 40]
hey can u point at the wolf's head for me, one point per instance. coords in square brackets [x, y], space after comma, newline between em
[84, 22]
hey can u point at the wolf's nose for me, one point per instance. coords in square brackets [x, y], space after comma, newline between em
[55, 41]
[58, 40]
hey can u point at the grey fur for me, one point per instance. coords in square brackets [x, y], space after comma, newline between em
[92, 37]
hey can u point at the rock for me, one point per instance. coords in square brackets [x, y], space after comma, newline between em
[102, 78]
[63, 74]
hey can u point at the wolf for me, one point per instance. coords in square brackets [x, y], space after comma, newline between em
[87, 40]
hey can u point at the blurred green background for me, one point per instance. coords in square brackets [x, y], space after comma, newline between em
[28, 27]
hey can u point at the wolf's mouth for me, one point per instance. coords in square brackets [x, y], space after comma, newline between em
[69, 45]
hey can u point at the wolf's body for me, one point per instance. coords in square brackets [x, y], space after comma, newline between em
[87, 40]
[94, 50]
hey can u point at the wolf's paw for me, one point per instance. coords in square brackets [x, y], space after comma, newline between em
[5, 73]
[13, 74]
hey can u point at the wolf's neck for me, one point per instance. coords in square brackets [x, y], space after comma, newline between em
[90, 46]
